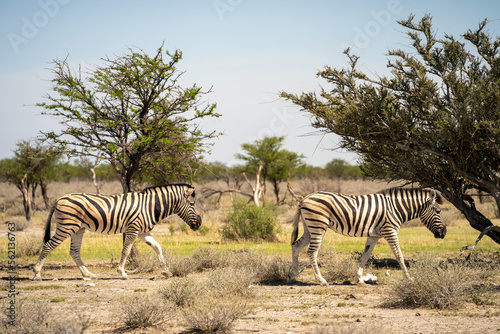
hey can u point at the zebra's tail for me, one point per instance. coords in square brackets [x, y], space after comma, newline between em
[295, 222]
[46, 238]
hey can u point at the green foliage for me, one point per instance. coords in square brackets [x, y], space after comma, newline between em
[250, 222]
[433, 120]
[277, 163]
[132, 112]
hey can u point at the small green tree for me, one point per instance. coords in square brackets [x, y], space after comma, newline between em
[277, 163]
[33, 164]
[131, 112]
[434, 120]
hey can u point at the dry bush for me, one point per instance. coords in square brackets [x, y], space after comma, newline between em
[146, 310]
[212, 314]
[28, 245]
[30, 318]
[210, 258]
[37, 317]
[440, 285]
[182, 292]
[21, 225]
[179, 266]
[339, 268]
[245, 258]
[347, 329]
[275, 269]
[232, 281]
[144, 263]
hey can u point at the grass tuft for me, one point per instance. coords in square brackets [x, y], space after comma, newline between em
[440, 285]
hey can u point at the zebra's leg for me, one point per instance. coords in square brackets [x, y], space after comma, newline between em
[48, 247]
[148, 239]
[296, 248]
[393, 241]
[313, 254]
[130, 237]
[370, 245]
[76, 244]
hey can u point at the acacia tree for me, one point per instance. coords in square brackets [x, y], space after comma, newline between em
[277, 163]
[130, 111]
[434, 120]
[33, 164]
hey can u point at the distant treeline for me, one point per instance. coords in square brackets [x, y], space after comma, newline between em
[336, 168]
[209, 171]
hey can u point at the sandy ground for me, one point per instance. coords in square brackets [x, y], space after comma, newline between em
[298, 307]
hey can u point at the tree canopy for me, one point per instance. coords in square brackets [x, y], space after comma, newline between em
[132, 112]
[33, 164]
[277, 163]
[434, 120]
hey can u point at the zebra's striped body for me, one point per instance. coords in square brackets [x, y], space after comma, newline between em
[134, 214]
[373, 216]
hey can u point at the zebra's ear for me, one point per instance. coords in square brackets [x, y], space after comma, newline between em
[189, 192]
[439, 198]
[436, 197]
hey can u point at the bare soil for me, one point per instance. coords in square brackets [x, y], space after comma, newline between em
[298, 307]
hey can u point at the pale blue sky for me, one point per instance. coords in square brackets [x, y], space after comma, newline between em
[246, 50]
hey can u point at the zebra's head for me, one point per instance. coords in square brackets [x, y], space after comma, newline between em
[187, 210]
[431, 215]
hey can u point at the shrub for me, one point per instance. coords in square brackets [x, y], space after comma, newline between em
[28, 245]
[213, 314]
[21, 225]
[232, 282]
[37, 317]
[340, 268]
[178, 265]
[182, 292]
[144, 263]
[210, 258]
[436, 284]
[146, 310]
[250, 222]
[275, 269]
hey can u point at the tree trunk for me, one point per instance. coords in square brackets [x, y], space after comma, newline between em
[27, 203]
[476, 219]
[94, 180]
[43, 187]
[276, 185]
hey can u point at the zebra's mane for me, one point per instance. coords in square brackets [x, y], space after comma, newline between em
[167, 185]
[395, 190]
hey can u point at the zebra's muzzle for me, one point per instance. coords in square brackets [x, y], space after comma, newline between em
[196, 225]
[440, 233]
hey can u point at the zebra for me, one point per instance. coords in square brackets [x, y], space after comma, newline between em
[373, 216]
[134, 214]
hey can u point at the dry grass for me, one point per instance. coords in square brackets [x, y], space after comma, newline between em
[36, 317]
[28, 245]
[146, 310]
[182, 292]
[442, 285]
[214, 314]
[339, 268]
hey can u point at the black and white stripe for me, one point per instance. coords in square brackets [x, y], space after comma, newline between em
[134, 214]
[373, 216]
